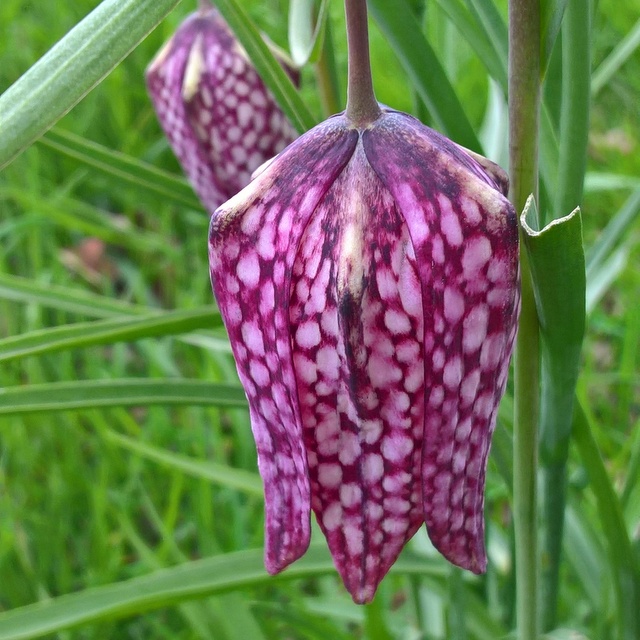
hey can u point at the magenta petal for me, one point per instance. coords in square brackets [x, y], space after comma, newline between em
[254, 238]
[464, 235]
[356, 328]
[165, 77]
[219, 117]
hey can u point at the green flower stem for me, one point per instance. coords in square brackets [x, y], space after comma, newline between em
[362, 106]
[524, 116]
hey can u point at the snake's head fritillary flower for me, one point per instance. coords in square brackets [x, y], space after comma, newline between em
[368, 280]
[220, 119]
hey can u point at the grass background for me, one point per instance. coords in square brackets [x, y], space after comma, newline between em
[91, 497]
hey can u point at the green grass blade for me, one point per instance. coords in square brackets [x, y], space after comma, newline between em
[84, 334]
[615, 230]
[492, 54]
[399, 25]
[123, 167]
[622, 560]
[557, 264]
[551, 13]
[167, 587]
[620, 54]
[599, 181]
[100, 394]
[487, 15]
[65, 298]
[574, 115]
[71, 68]
[80, 217]
[219, 474]
[267, 66]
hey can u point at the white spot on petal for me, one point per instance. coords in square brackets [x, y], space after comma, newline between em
[329, 475]
[248, 269]
[452, 374]
[372, 468]
[308, 335]
[332, 516]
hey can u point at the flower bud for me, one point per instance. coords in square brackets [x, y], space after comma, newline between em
[220, 119]
[368, 280]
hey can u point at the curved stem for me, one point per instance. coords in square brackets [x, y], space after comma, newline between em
[362, 106]
[524, 117]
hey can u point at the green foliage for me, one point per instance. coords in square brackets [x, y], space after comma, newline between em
[130, 504]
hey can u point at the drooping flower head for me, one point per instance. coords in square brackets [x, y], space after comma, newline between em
[220, 119]
[368, 280]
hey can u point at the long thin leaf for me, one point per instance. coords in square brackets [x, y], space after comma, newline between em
[399, 25]
[70, 69]
[557, 264]
[613, 233]
[267, 66]
[220, 474]
[167, 587]
[83, 334]
[574, 114]
[92, 305]
[123, 167]
[490, 53]
[624, 570]
[620, 54]
[100, 394]
[65, 298]
[551, 13]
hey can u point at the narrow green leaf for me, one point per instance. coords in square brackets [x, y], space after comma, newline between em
[267, 66]
[620, 54]
[625, 572]
[491, 53]
[574, 113]
[613, 233]
[72, 67]
[92, 305]
[487, 15]
[122, 167]
[64, 298]
[220, 474]
[551, 13]
[167, 587]
[83, 334]
[557, 265]
[600, 279]
[599, 181]
[305, 38]
[399, 25]
[80, 217]
[100, 394]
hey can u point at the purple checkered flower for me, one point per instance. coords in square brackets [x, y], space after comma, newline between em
[220, 119]
[368, 280]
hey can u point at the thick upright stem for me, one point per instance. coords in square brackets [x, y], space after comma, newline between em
[524, 109]
[362, 106]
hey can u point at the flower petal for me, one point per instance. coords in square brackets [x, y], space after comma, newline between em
[219, 117]
[254, 238]
[465, 238]
[356, 326]
[233, 115]
[164, 79]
